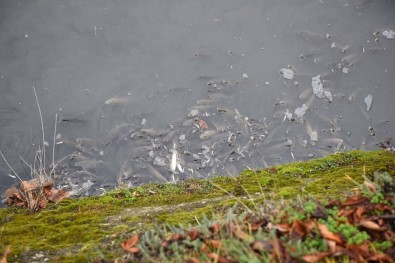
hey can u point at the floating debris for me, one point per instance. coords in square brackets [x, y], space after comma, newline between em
[389, 34]
[318, 89]
[301, 111]
[245, 76]
[288, 115]
[368, 101]
[287, 73]
[193, 113]
[116, 101]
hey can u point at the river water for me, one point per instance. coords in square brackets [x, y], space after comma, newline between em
[144, 91]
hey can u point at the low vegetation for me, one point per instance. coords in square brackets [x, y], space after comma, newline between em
[280, 213]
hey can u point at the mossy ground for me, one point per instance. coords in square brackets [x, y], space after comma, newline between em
[89, 228]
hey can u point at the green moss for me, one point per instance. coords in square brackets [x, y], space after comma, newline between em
[88, 223]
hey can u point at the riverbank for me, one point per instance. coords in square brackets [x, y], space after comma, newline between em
[93, 228]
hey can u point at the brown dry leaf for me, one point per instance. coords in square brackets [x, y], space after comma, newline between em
[202, 124]
[320, 211]
[300, 229]
[359, 212]
[43, 202]
[165, 244]
[370, 225]
[203, 248]
[175, 237]
[57, 195]
[277, 251]
[213, 256]
[346, 212]
[193, 234]
[383, 258]
[284, 228]
[256, 224]
[325, 233]
[262, 245]
[222, 259]
[354, 200]
[192, 260]
[11, 192]
[215, 243]
[129, 245]
[13, 196]
[47, 187]
[359, 252]
[28, 186]
[312, 258]
[7, 251]
[215, 228]
[331, 246]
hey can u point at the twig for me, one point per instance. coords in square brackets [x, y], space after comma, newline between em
[53, 146]
[42, 129]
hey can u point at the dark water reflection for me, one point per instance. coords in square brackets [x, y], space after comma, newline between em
[156, 59]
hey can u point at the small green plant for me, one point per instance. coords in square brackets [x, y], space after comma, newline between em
[381, 246]
[309, 207]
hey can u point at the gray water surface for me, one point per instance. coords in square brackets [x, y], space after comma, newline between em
[122, 77]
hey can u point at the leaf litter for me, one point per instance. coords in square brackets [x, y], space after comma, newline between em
[359, 228]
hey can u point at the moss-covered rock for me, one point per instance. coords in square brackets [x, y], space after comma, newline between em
[89, 228]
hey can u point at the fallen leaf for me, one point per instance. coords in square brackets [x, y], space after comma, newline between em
[7, 251]
[193, 234]
[277, 251]
[354, 200]
[57, 195]
[262, 245]
[202, 124]
[300, 229]
[213, 256]
[215, 243]
[28, 186]
[326, 234]
[312, 258]
[370, 225]
[192, 260]
[284, 228]
[129, 245]
[43, 202]
[380, 257]
[215, 228]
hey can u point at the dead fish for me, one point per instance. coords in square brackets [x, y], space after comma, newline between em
[174, 157]
[138, 151]
[71, 120]
[151, 132]
[313, 134]
[189, 122]
[156, 174]
[312, 37]
[88, 150]
[88, 142]
[305, 94]
[207, 134]
[304, 57]
[89, 164]
[170, 135]
[116, 132]
[116, 101]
